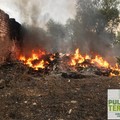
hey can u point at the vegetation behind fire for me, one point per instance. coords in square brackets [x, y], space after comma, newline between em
[93, 28]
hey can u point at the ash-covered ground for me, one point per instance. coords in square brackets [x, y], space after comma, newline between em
[29, 95]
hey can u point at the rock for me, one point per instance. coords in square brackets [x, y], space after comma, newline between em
[73, 75]
[73, 101]
[34, 104]
[70, 111]
[2, 83]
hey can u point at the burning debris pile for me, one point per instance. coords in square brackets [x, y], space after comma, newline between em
[22, 39]
[70, 65]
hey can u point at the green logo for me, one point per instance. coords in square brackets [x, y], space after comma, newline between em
[113, 105]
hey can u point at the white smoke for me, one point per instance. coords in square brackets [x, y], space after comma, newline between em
[38, 12]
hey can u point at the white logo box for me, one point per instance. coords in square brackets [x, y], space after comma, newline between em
[113, 104]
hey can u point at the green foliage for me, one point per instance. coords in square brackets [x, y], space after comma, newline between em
[96, 14]
[110, 14]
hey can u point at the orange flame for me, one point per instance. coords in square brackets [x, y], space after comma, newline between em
[97, 60]
[34, 57]
[36, 61]
[77, 58]
[100, 62]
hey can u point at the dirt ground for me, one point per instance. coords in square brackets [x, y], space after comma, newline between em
[29, 96]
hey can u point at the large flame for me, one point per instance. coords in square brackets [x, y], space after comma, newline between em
[98, 61]
[35, 60]
[77, 58]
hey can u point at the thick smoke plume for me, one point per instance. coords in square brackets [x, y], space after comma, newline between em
[34, 30]
[86, 31]
[30, 11]
[34, 37]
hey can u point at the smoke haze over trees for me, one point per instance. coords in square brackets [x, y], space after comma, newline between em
[94, 25]
[92, 30]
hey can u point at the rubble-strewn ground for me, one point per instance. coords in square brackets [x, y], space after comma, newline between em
[29, 96]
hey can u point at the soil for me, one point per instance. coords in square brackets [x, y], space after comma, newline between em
[26, 95]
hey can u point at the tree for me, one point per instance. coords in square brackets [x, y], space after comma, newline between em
[94, 24]
[98, 14]
[117, 38]
[111, 14]
[57, 32]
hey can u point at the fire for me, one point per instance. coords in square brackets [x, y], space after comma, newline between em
[35, 60]
[98, 61]
[40, 60]
[40, 65]
[77, 58]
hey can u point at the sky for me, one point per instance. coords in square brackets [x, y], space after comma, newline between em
[22, 10]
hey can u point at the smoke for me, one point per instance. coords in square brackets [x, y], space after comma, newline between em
[30, 12]
[38, 12]
[90, 33]
[85, 31]
[34, 14]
